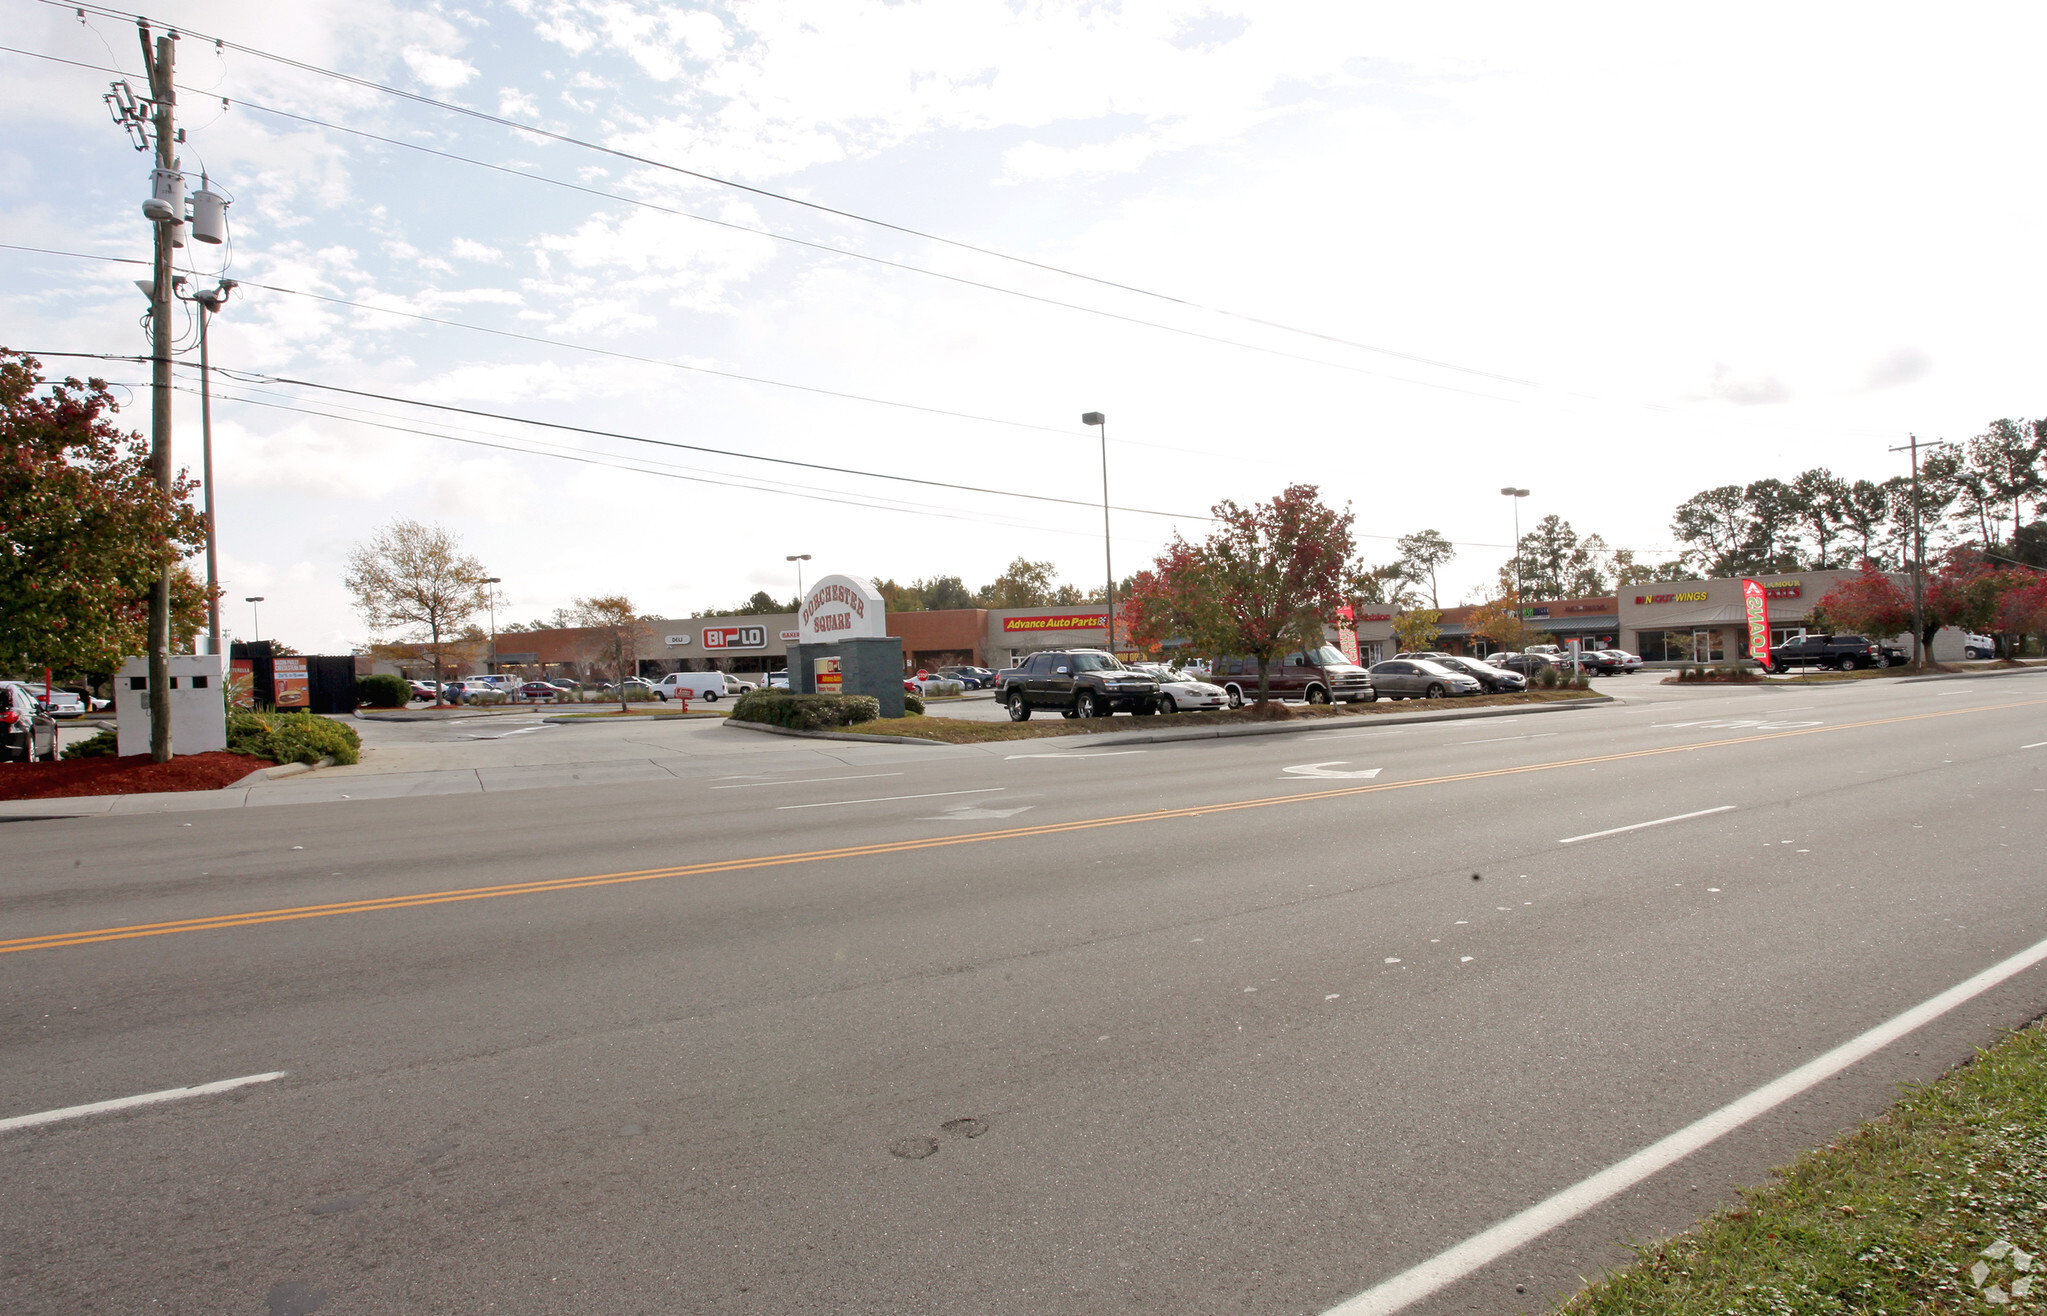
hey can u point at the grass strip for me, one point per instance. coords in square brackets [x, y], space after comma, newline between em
[1937, 1207]
[956, 731]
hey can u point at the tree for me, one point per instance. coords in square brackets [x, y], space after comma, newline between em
[1419, 629]
[943, 593]
[1421, 553]
[617, 642]
[1024, 584]
[84, 531]
[1871, 603]
[1268, 578]
[2009, 463]
[1714, 527]
[2022, 609]
[1864, 507]
[1963, 591]
[1500, 621]
[1770, 514]
[1817, 499]
[415, 578]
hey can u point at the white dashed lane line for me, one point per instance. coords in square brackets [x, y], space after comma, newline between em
[1636, 827]
[885, 799]
[804, 781]
[127, 1103]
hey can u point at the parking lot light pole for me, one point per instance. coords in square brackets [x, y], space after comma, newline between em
[799, 559]
[1517, 495]
[256, 615]
[490, 601]
[1101, 422]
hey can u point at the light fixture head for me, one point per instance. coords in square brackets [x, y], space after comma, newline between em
[1092, 418]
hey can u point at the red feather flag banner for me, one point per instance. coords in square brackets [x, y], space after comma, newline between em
[1756, 601]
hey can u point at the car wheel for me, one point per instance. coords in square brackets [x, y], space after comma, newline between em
[710, 696]
[1087, 705]
[1847, 663]
[1019, 711]
[1435, 690]
[1372, 698]
[1236, 696]
[1317, 695]
[1883, 660]
[1168, 705]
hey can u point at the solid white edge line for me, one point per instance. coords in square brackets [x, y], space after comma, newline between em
[884, 799]
[2035, 745]
[123, 1103]
[1636, 827]
[1455, 1263]
[804, 781]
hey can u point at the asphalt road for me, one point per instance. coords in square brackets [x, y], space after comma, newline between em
[1025, 1028]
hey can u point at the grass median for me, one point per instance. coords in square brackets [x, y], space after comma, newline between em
[956, 731]
[1937, 1207]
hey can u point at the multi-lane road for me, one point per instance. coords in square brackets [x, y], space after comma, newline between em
[1251, 1025]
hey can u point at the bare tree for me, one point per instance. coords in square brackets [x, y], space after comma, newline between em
[416, 578]
[618, 636]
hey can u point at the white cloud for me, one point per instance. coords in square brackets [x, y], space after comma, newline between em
[470, 249]
[441, 72]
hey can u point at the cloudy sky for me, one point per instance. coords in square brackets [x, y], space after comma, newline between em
[1407, 253]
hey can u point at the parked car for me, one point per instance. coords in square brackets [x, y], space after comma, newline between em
[1844, 652]
[1320, 676]
[1181, 692]
[1496, 680]
[422, 689]
[930, 683]
[28, 734]
[707, 686]
[1595, 661]
[1420, 678]
[973, 678]
[63, 704]
[1527, 664]
[1623, 661]
[778, 680]
[1078, 683]
[1978, 646]
[540, 692]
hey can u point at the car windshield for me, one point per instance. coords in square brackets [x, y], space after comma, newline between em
[1095, 662]
[1327, 656]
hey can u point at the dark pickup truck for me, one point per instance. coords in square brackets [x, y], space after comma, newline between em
[1075, 683]
[1845, 652]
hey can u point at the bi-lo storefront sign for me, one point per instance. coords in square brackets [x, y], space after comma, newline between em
[735, 637]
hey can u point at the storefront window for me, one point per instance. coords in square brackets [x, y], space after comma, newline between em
[1700, 646]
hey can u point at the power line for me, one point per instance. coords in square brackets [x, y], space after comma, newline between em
[516, 126]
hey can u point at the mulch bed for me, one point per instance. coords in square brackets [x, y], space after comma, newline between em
[133, 775]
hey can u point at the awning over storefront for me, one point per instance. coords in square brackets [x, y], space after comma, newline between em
[1691, 617]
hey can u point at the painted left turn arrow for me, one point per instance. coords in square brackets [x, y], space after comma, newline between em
[1323, 770]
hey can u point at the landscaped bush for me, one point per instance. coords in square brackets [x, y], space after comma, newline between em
[292, 737]
[912, 705]
[779, 708]
[100, 745]
[382, 691]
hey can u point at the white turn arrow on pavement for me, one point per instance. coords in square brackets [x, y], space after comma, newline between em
[1323, 770]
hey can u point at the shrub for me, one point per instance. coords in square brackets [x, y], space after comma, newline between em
[1548, 676]
[101, 745]
[382, 691]
[912, 705]
[292, 737]
[805, 712]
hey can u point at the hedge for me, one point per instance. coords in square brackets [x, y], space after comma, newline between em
[778, 708]
[292, 737]
[100, 745]
[383, 691]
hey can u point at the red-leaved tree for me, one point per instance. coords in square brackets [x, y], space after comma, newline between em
[1267, 579]
[1965, 592]
[1870, 602]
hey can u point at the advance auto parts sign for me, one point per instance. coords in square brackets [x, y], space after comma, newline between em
[841, 608]
[1065, 621]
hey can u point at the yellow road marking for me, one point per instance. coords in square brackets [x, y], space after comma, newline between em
[57, 940]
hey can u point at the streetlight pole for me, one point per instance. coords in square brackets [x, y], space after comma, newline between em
[1517, 495]
[256, 614]
[1101, 422]
[490, 601]
[799, 559]
[209, 302]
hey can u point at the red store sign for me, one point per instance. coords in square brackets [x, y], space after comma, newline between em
[735, 637]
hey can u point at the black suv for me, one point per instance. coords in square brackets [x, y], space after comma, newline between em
[1846, 652]
[1077, 682]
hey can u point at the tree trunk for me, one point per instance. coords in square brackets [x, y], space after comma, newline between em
[440, 681]
[1264, 677]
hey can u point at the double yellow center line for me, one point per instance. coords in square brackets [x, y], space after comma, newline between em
[215, 922]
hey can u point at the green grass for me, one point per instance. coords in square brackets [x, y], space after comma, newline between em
[956, 731]
[1893, 1219]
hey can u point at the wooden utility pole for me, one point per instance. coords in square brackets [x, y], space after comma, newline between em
[163, 98]
[1918, 561]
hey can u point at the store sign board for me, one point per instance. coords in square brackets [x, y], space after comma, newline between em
[842, 608]
[1782, 589]
[735, 637]
[678, 641]
[828, 679]
[1375, 616]
[1064, 621]
[1690, 596]
[790, 637]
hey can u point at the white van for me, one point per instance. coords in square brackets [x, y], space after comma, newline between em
[706, 686]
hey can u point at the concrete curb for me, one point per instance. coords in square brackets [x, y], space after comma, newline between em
[584, 720]
[1210, 733]
[281, 770]
[1972, 676]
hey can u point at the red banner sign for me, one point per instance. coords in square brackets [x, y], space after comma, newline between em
[1065, 621]
[1755, 602]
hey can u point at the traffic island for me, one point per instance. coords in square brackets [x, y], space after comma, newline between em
[1250, 720]
[1935, 1206]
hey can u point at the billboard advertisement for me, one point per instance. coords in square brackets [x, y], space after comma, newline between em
[294, 689]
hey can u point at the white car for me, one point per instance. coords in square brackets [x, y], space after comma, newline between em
[707, 686]
[1186, 691]
[926, 685]
[1978, 646]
